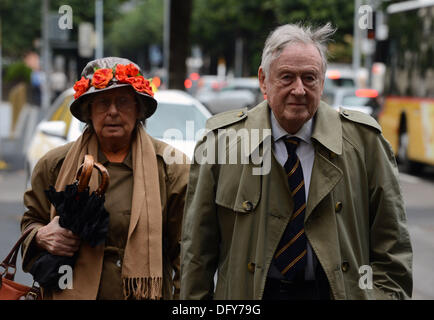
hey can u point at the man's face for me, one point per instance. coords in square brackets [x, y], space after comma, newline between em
[294, 85]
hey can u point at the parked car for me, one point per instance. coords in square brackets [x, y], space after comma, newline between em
[207, 82]
[251, 84]
[364, 100]
[56, 128]
[339, 78]
[219, 96]
[178, 118]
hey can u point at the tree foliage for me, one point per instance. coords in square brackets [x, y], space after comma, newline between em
[218, 23]
[215, 25]
[22, 21]
[21, 24]
[137, 29]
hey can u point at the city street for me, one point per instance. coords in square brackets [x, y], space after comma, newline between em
[98, 69]
[418, 194]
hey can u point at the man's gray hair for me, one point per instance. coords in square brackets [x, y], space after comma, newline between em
[296, 33]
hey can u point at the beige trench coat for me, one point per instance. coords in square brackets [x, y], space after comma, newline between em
[355, 214]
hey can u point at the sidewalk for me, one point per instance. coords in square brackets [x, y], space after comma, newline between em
[12, 185]
[13, 145]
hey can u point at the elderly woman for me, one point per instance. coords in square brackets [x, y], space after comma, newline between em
[145, 198]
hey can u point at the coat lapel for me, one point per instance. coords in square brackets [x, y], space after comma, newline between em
[328, 128]
[321, 227]
[327, 137]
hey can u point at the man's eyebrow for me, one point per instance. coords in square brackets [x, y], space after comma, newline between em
[284, 69]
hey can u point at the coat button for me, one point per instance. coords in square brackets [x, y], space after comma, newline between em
[345, 266]
[338, 206]
[251, 267]
[118, 263]
[247, 205]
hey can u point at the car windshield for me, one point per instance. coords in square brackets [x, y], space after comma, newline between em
[355, 101]
[340, 82]
[174, 116]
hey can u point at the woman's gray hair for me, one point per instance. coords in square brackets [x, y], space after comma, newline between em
[296, 33]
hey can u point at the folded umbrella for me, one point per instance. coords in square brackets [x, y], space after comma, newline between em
[82, 213]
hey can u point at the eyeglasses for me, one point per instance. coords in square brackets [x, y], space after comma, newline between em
[122, 103]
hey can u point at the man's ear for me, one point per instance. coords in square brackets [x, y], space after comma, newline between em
[261, 77]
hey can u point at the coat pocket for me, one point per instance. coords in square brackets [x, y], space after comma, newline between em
[238, 189]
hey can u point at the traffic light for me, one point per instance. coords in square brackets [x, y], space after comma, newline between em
[371, 31]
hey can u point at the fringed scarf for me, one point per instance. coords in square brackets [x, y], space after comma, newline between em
[142, 269]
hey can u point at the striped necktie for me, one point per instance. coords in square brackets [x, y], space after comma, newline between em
[290, 256]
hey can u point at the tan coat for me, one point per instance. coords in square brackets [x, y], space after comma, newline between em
[173, 182]
[355, 214]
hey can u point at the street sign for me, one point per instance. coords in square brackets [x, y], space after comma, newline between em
[86, 40]
[54, 32]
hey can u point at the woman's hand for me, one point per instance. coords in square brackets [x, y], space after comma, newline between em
[57, 240]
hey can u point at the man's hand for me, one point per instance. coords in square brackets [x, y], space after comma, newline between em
[57, 240]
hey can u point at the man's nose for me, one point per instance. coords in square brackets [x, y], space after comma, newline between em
[298, 87]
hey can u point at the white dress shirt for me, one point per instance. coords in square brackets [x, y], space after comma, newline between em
[306, 153]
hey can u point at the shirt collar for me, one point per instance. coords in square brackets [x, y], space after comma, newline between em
[127, 161]
[305, 132]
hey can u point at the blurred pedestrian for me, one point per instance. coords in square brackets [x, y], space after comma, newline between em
[35, 82]
[145, 198]
[327, 221]
[58, 83]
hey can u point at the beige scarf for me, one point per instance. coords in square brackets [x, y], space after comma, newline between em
[142, 270]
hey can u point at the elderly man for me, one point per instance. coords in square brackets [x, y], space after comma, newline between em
[327, 221]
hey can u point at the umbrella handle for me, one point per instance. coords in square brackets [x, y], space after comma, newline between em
[85, 172]
[104, 178]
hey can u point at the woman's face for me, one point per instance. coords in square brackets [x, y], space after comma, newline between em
[114, 115]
